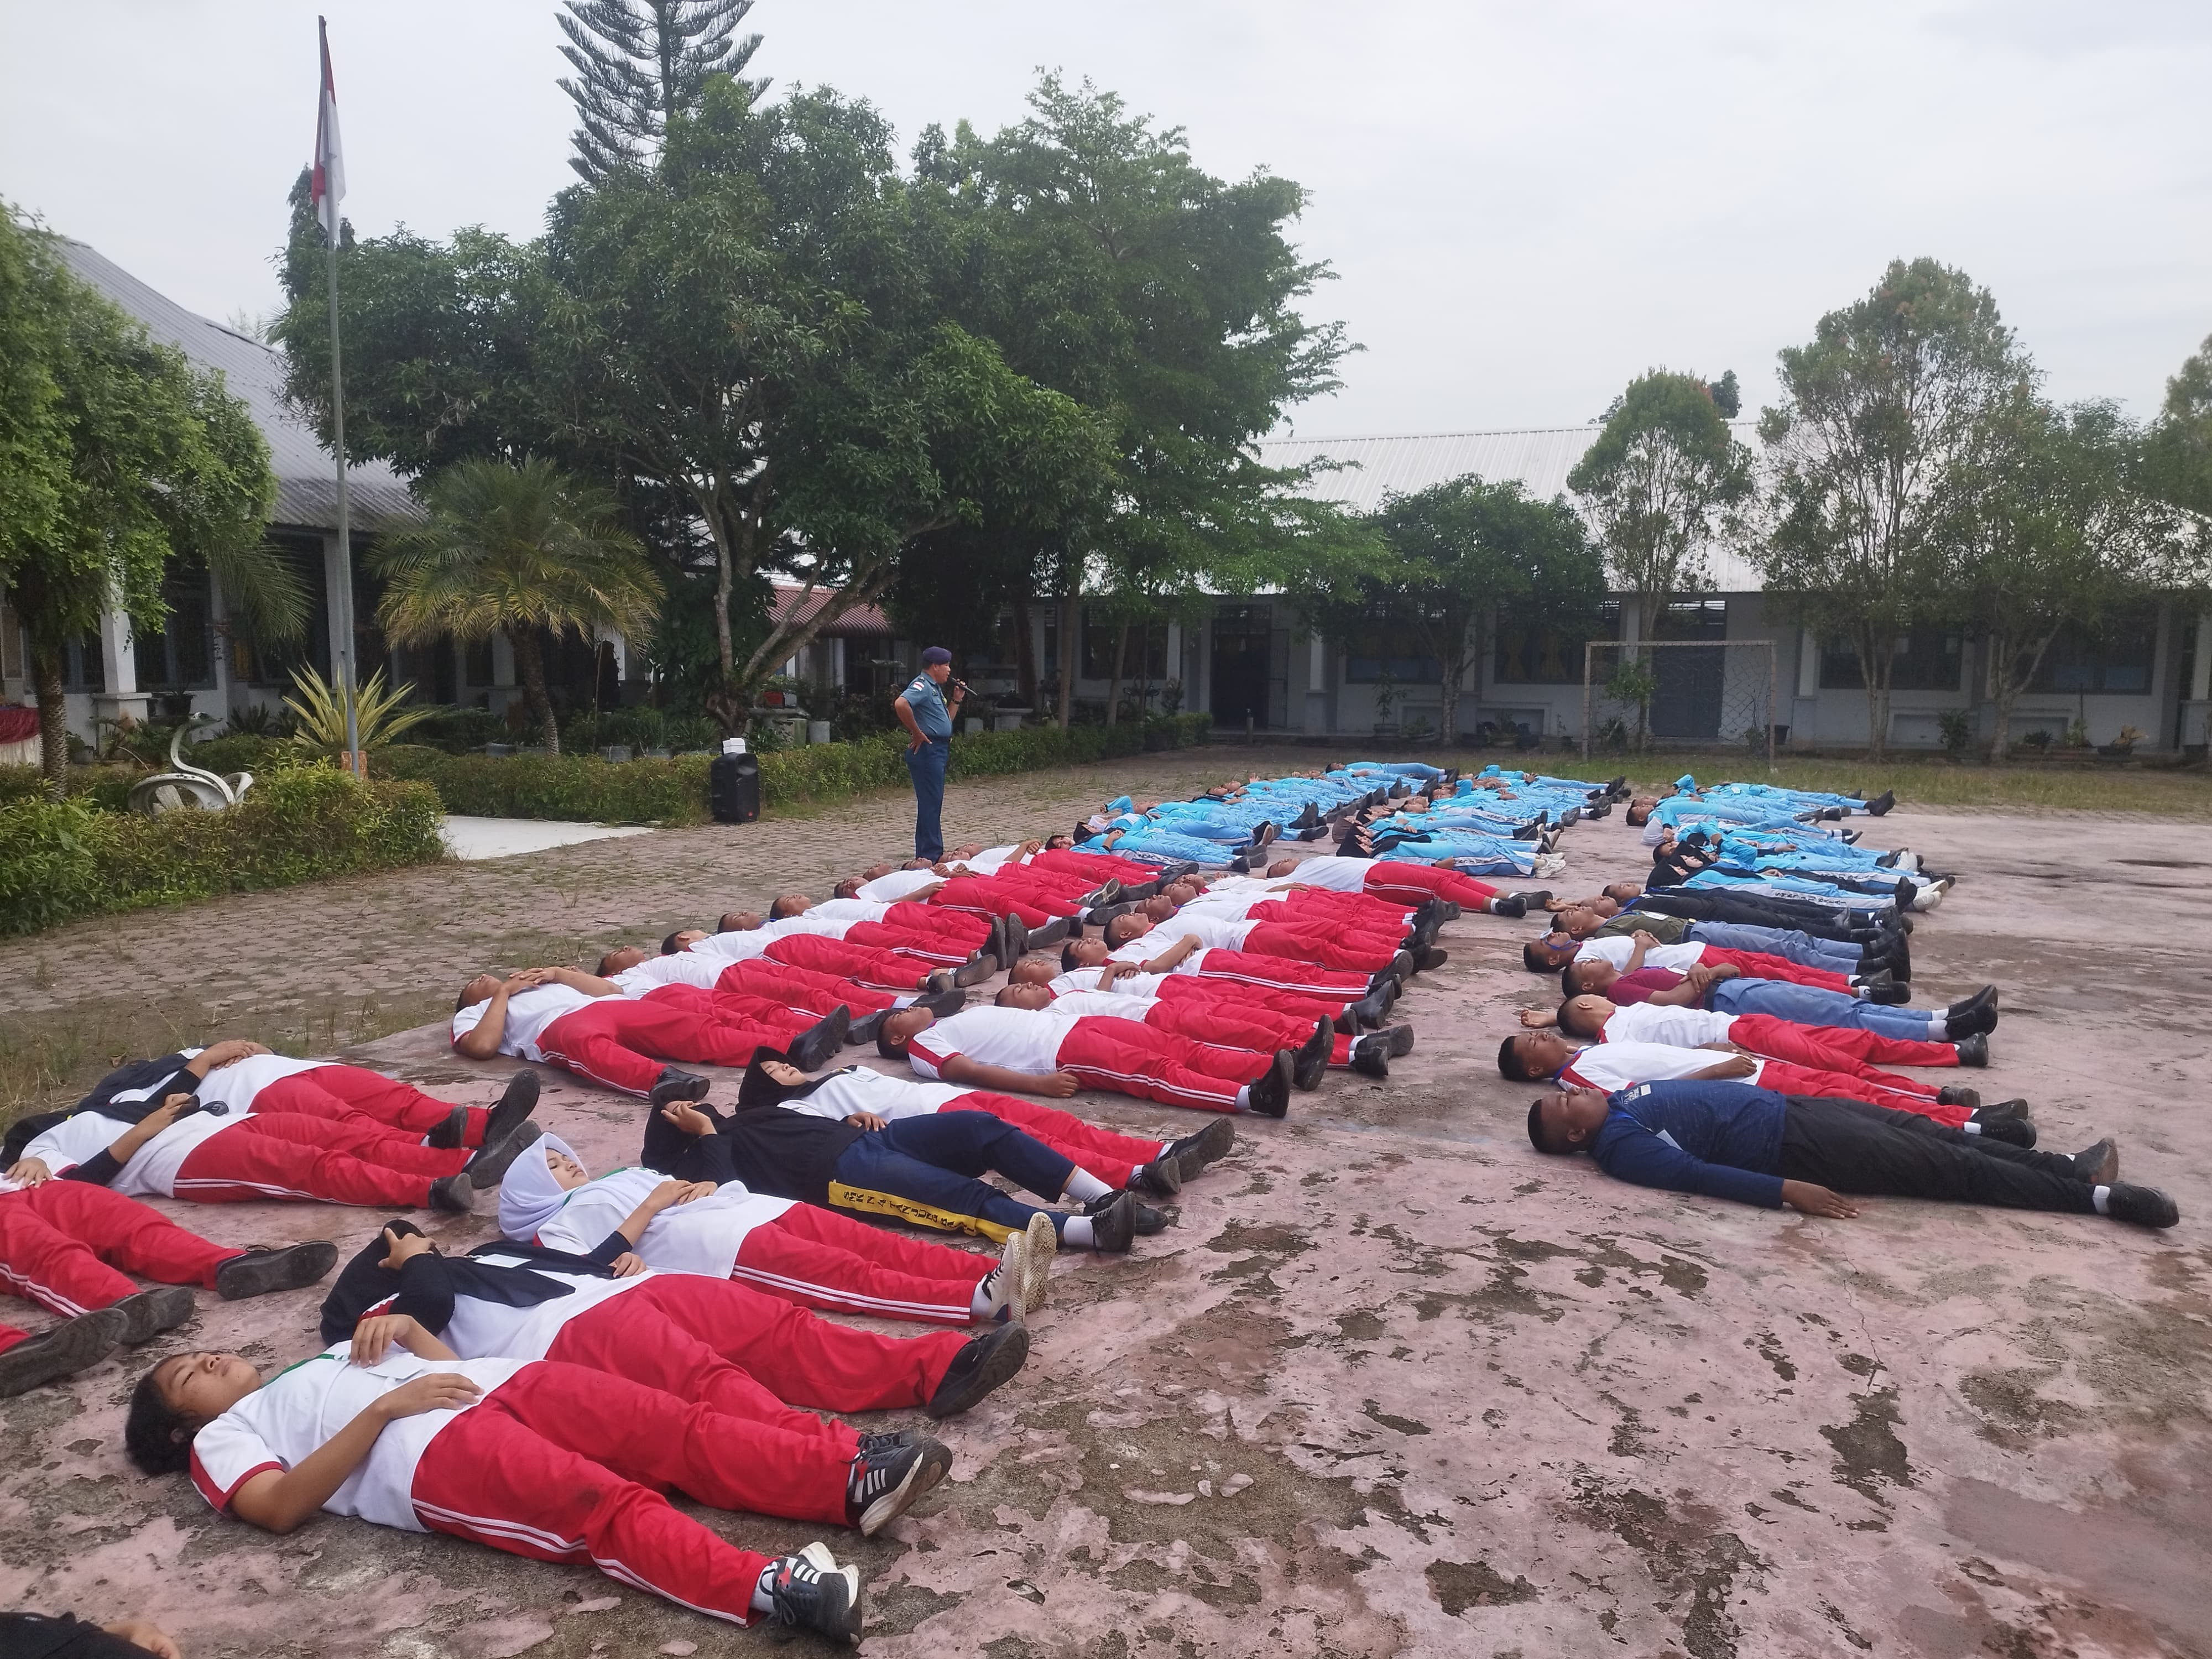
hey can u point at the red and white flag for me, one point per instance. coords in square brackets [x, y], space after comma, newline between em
[329, 185]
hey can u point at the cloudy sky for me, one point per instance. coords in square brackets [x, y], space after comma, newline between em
[1524, 204]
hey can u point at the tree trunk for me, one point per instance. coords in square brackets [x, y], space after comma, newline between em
[1071, 649]
[1026, 667]
[2012, 680]
[1877, 691]
[1113, 686]
[529, 669]
[46, 678]
[1448, 709]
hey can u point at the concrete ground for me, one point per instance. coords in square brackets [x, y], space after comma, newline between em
[472, 838]
[1392, 1383]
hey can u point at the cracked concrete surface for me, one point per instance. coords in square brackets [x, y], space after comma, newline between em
[1394, 1384]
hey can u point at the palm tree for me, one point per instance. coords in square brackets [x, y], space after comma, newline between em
[510, 548]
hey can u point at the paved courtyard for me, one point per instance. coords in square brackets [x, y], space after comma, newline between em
[1392, 1383]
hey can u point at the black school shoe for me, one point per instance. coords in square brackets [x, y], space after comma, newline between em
[1269, 1094]
[815, 1048]
[883, 1486]
[1114, 1223]
[1144, 1219]
[71, 1347]
[1997, 1125]
[148, 1312]
[987, 1361]
[1162, 1178]
[810, 1591]
[1370, 1055]
[260, 1271]
[1192, 1153]
[672, 1085]
[2099, 1164]
[2145, 1206]
[1308, 1062]
[514, 1107]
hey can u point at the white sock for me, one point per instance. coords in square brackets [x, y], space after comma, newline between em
[1939, 1029]
[1075, 1231]
[984, 1302]
[1083, 1186]
[2102, 1198]
[1971, 1127]
[1244, 1098]
[763, 1601]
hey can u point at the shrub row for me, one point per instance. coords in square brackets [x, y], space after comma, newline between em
[61, 860]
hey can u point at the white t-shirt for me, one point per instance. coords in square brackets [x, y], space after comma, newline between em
[235, 1085]
[1616, 949]
[684, 968]
[82, 1136]
[480, 1330]
[848, 909]
[1338, 875]
[1231, 906]
[1105, 1004]
[888, 889]
[1215, 932]
[528, 1013]
[702, 1236]
[1612, 1066]
[857, 1088]
[297, 1412]
[735, 947]
[1652, 1021]
[1144, 987]
[1019, 1039]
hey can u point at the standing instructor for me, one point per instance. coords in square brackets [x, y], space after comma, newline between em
[927, 716]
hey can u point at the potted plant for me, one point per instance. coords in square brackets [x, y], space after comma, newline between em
[2123, 744]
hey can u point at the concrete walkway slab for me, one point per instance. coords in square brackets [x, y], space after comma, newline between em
[473, 838]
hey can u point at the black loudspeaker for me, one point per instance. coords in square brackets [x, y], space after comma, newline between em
[733, 788]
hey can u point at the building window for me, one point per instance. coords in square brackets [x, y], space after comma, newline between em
[1379, 650]
[1925, 659]
[181, 657]
[1526, 654]
[1693, 619]
[2116, 658]
[1144, 658]
[83, 668]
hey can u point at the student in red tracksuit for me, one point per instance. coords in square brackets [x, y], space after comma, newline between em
[1822, 1048]
[64, 1246]
[798, 989]
[1055, 1054]
[569, 1018]
[990, 896]
[1190, 955]
[816, 953]
[1335, 1006]
[952, 935]
[1135, 938]
[1313, 1040]
[1398, 881]
[1059, 852]
[926, 940]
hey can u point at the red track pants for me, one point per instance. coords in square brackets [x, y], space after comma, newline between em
[337, 1090]
[1833, 1048]
[802, 988]
[560, 1463]
[1196, 988]
[1757, 964]
[746, 1354]
[292, 1155]
[914, 944]
[1275, 973]
[63, 1242]
[879, 971]
[984, 896]
[1369, 915]
[1786, 1078]
[1326, 947]
[1112, 1158]
[623, 1042]
[1098, 868]
[1130, 1058]
[1393, 879]
[819, 1259]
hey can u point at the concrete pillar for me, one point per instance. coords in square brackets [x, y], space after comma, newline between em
[1174, 656]
[1316, 711]
[123, 700]
[502, 673]
[2200, 668]
[1808, 664]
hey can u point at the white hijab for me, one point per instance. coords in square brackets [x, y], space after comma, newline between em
[529, 1197]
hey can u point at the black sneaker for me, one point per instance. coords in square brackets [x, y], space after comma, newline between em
[1398, 1040]
[1402, 967]
[1534, 899]
[1881, 804]
[260, 1271]
[456, 1193]
[1144, 1219]
[1193, 1153]
[814, 1049]
[1888, 993]
[974, 971]
[986, 1362]
[2146, 1206]
[451, 1133]
[882, 1487]
[1310, 1061]
[1370, 1010]
[1113, 1223]
[810, 1591]
[514, 1106]
[886, 1440]
[71, 1347]
[490, 1164]
[944, 1002]
[148, 1312]
[1958, 1095]
[1999, 1126]
[673, 1086]
[1508, 904]
[1370, 1055]
[938, 982]
[1015, 933]
[1162, 1178]
[1269, 1094]
[1973, 1050]
[864, 1029]
[1428, 958]
[2099, 1164]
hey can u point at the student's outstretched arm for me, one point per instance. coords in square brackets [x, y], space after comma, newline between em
[958, 1068]
[1168, 959]
[280, 1503]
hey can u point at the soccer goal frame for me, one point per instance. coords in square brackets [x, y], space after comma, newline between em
[1744, 697]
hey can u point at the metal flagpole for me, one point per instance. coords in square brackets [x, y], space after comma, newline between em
[343, 598]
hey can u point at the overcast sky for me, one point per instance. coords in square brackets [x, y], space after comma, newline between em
[1525, 204]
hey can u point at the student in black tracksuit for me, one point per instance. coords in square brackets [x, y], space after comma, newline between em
[1733, 1140]
[1759, 911]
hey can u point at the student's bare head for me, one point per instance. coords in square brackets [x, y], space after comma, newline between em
[1024, 996]
[1576, 923]
[878, 872]
[621, 961]
[738, 921]
[915, 864]
[175, 1399]
[1280, 868]
[966, 850]
[1161, 906]
[1585, 1016]
[791, 904]
[476, 990]
[900, 1027]
[1587, 977]
[1084, 952]
[1037, 970]
[1639, 811]
[682, 939]
[848, 888]
[1547, 955]
[1133, 924]
[1623, 892]
[1567, 1121]
[1057, 843]
[1530, 1056]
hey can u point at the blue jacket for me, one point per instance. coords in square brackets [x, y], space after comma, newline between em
[1723, 1139]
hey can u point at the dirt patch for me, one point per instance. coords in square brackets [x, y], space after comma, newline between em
[1459, 1585]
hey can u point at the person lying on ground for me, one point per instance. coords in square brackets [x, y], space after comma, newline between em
[957, 942]
[707, 1339]
[801, 1252]
[941, 934]
[1732, 1140]
[1762, 911]
[65, 1246]
[1625, 952]
[537, 1458]
[1312, 1038]
[566, 1017]
[1722, 989]
[802, 990]
[1578, 922]
[1055, 1054]
[836, 958]
[1399, 880]
[1823, 1048]
[1139, 935]
[1349, 1009]
[1369, 996]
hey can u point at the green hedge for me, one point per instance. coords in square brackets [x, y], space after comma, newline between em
[59, 861]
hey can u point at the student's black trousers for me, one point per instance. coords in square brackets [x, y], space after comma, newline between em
[1698, 906]
[1850, 1146]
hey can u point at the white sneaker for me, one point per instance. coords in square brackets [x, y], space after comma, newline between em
[1041, 1243]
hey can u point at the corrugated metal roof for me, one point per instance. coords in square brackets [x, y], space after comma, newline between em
[862, 619]
[306, 493]
[1540, 457]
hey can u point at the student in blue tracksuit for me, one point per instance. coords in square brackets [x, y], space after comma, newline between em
[1733, 1140]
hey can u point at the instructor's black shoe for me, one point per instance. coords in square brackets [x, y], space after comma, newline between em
[1269, 1094]
[2146, 1206]
[453, 1192]
[810, 1591]
[1508, 904]
[974, 971]
[1370, 1055]
[260, 1271]
[1209, 1145]
[883, 1486]
[672, 1085]
[148, 1312]
[71, 1347]
[1881, 804]
[1973, 1050]
[451, 1133]
[812, 1049]
[987, 1360]
[515, 1105]
[1162, 1178]
[2099, 1164]
[1307, 1063]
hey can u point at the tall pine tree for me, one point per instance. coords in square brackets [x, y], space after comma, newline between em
[637, 62]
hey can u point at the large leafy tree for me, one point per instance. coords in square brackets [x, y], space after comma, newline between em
[512, 550]
[1453, 554]
[639, 63]
[2063, 531]
[1663, 470]
[2180, 453]
[1888, 421]
[130, 458]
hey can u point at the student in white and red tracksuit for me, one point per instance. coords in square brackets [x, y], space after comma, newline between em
[1371, 922]
[1189, 954]
[1396, 880]
[587, 1025]
[1129, 979]
[1313, 1040]
[949, 937]
[799, 1252]
[1135, 938]
[988, 896]
[1055, 1054]
[539, 1459]
[917, 941]
[1059, 852]
[821, 952]
[799, 990]
[65, 1245]
[1610, 1067]
[708, 1339]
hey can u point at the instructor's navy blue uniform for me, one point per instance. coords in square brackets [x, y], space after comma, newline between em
[926, 765]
